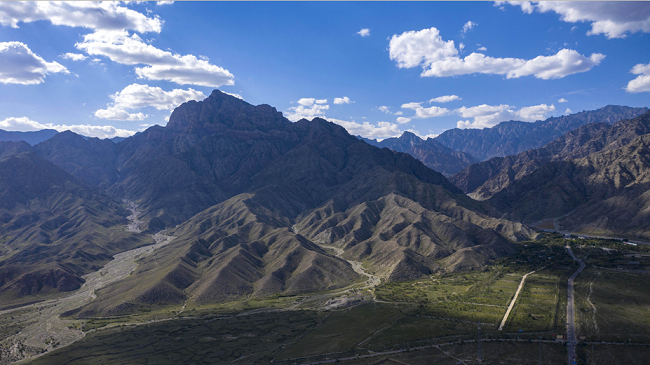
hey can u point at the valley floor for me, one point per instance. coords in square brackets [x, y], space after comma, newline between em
[432, 320]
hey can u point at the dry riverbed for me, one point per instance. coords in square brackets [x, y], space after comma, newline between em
[40, 328]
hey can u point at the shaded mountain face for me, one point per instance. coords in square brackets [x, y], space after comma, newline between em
[433, 154]
[54, 229]
[605, 193]
[91, 160]
[483, 180]
[31, 138]
[255, 197]
[511, 138]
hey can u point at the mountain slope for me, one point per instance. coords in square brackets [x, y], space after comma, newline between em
[483, 180]
[269, 191]
[31, 138]
[511, 138]
[433, 154]
[603, 193]
[91, 160]
[53, 228]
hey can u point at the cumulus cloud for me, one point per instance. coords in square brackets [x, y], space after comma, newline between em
[311, 101]
[385, 109]
[380, 130]
[365, 32]
[642, 82]
[468, 26]
[613, 19]
[486, 116]
[445, 99]
[128, 49]
[398, 113]
[412, 105]
[73, 56]
[403, 120]
[311, 111]
[439, 58]
[567, 111]
[562, 100]
[422, 112]
[482, 49]
[136, 96]
[106, 15]
[116, 113]
[164, 2]
[343, 100]
[19, 65]
[25, 124]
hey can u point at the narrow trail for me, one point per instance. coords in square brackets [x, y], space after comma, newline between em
[514, 299]
[593, 314]
[571, 322]
[45, 330]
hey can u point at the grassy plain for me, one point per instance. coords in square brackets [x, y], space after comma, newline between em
[431, 310]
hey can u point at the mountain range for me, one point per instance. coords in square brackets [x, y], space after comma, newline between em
[262, 206]
[513, 137]
[255, 201]
[433, 154]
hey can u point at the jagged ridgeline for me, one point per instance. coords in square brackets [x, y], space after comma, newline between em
[253, 197]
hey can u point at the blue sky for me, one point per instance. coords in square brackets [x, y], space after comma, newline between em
[378, 69]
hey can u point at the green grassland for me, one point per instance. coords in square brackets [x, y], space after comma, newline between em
[431, 310]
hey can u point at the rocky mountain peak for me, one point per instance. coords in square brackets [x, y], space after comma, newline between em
[222, 111]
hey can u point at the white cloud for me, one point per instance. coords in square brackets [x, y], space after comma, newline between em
[343, 100]
[422, 112]
[402, 120]
[321, 101]
[642, 82]
[567, 111]
[128, 49]
[468, 26]
[116, 113]
[431, 112]
[482, 49]
[445, 99]
[294, 114]
[19, 65]
[25, 124]
[365, 32]
[164, 2]
[613, 19]
[381, 130]
[439, 58]
[106, 15]
[486, 116]
[412, 105]
[232, 94]
[73, 56]
[562, 100]
[398, 113]
[384, 109]
[137, 96]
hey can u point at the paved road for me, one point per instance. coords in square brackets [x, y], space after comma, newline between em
[591, 236]
[570, 313]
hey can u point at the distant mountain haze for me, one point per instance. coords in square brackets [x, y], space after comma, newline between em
[483, 180]
[433, 154]
[511, 138]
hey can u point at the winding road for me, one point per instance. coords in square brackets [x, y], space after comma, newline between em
[570, 313]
